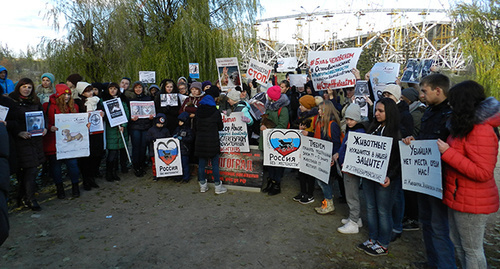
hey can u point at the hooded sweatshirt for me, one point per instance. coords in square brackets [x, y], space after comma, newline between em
[6, 84]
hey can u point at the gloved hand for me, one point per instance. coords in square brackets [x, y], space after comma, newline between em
[245, 119]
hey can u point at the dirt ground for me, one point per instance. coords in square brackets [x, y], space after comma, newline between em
[138, 223]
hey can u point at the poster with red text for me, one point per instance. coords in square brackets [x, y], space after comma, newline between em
[261, 72]
[332, 69]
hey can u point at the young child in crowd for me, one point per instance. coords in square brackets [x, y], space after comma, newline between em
[185, 135]
[157, 131]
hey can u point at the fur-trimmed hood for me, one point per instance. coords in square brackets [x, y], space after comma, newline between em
[487, 109]
[283, 101]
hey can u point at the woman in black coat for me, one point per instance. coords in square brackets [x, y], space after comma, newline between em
[208, 123]
[29, 148]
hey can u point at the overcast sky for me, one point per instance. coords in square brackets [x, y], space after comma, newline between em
[23, 23]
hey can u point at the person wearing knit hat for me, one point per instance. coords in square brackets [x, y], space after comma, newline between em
[307, 101]
[46, 89]
[238, 105]
[191, 103]
[274, 93]
[62, 89]
[208, 123]
[153, 90]
[205, 85]
[184, 133]
[410, 94]
[353, 112]
[392, 91]
[213, 91]
[196, 85]
[234, 95]
[82, 86]
[73, 79]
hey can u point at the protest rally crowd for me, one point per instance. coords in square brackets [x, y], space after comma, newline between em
[461, 118]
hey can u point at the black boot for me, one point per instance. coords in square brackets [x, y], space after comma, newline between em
[268, 186]
[60, 191]
[86, 184]
[75, 190]
[115, 172]
[34, 205]
[275, 188]
[137, 170]
[109, 172]
[92, 183]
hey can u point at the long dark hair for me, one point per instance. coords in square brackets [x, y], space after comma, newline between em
[106, 96]
[391, 119]
[464, 98]
[16, 94]
[163, 84]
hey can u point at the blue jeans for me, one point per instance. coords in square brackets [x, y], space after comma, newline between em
[326, 188]
[379, 208]
[185, 167]
[202, 163]
[276, 173]
[398, 208]
[56, 169]
[433, 215]
[139, 146]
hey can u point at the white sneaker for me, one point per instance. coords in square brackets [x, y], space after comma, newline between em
[204, 187]
[219, 189]
[360, 222]
[349, 228]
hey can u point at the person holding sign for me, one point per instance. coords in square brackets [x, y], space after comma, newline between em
[138, 129]
[380, 197]
[328, 128]
[28, 148]
[167, 101]
[60, 102]
[115, 144]
[470, 152]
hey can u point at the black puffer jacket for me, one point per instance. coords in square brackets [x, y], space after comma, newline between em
[29, 151]
[208, 123]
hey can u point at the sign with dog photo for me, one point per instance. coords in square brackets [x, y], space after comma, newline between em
[142, 109]
[282, 147]
[167, 157]
[72, 135]
[35, 123]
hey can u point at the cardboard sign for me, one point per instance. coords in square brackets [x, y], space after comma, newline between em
[35, 123]
[229, 73]
[72, 136]
[332, 69]
[316, 158]
[287, 64]
[261, 72]
[142, 109]
[421, 167]
[239, 169]
[381, 75]
[147, 76]
[282, 147]
[367, 156]
[96, 122]
[115, 112]
[194, 70]
[167, 157]
[234, 135]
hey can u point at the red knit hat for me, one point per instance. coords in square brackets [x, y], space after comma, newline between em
[274, 93]
[62, 89]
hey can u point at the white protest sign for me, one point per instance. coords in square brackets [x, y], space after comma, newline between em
[287, 64]
[3, 112]
[142, 109]
[282, 147]
[229, 73]
[360, 91]
[194, 70]
[72, 136]
[421, 167]
[35, 123]
[96, 123]
[115, 112]
[332, 69]
[367, 156]
[261, 72]
[298, 80]
[147, 76]
[316, 158]
[234, 135]
[167, 157]
[169, 99]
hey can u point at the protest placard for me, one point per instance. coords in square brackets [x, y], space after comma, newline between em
[72, 136]
[416, 69]
[168, 161]
[142, 109]
[194, 70]
[115, 112]
[147, 76]
[287, 64]
[229, 73]
[234, 135]
[421, 167]
[35, 123]
[316, 157]
[360, 91]
[96, 122]
[298, 80]
[381, 75]
[169, 99]
[239, 169]
[367, 156]
[261, 72]
[282, 147]
[3, 112]
[332, 69]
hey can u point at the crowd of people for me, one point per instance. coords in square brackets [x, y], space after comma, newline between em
[461, 118]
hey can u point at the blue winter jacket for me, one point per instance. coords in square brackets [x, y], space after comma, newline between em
[7, 86]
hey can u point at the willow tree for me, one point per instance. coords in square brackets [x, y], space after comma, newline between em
[479, 34]
[108, 39]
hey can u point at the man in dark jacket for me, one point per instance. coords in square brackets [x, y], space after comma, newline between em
[4, 184]
[433, 214]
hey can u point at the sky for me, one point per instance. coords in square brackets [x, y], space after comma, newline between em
[24, 24]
